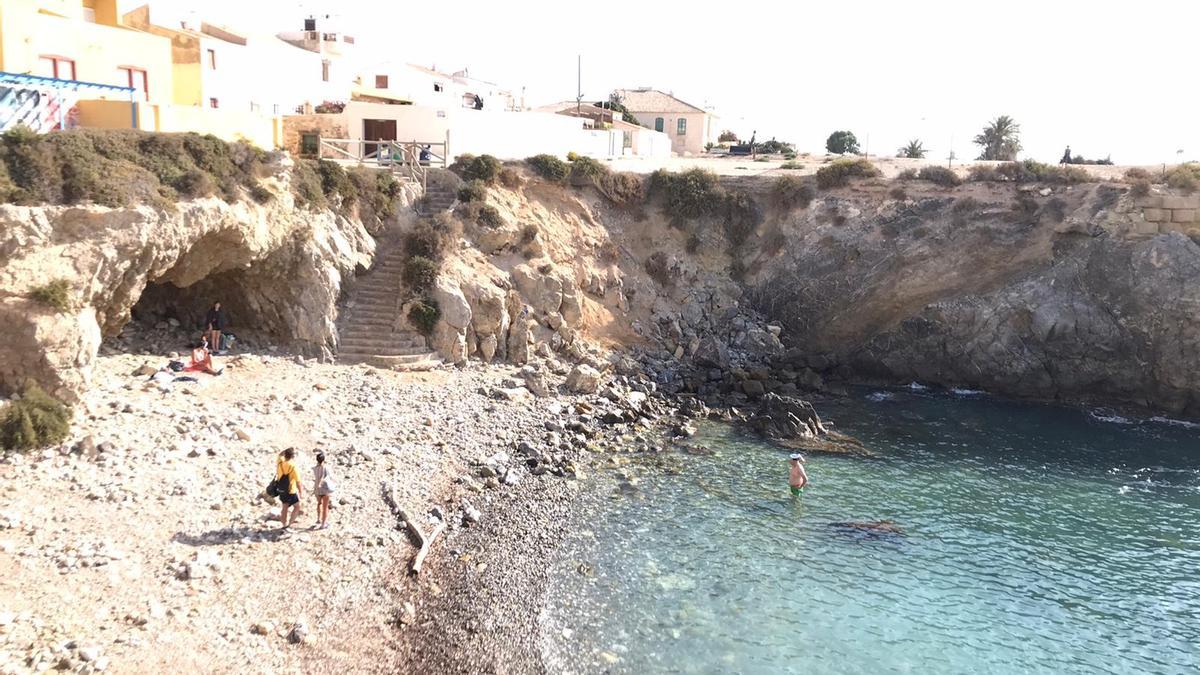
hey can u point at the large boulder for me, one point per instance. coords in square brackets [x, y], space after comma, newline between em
[786, 418]
[450, 343]
[711, 352]
[541, 287]
[583, 379]
[456, 311]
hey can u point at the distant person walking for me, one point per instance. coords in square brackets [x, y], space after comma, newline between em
[323, 489]
[1066, 158]
[291, 491]
[797, 478]
[214, 324]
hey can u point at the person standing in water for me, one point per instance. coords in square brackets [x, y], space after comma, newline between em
[797, 478]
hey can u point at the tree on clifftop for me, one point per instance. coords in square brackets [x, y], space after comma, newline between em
[842, 142]
[614, 104]
[1000, 140]
[914, 150]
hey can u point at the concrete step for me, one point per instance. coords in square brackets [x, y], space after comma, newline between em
[414, 362]
[384, 351]
[364, 343]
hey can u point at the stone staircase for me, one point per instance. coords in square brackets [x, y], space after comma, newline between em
[437, 198]
[367, 333]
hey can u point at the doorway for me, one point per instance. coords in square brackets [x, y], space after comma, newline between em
[377, 130]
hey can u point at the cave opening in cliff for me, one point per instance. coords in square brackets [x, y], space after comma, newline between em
[181, 310]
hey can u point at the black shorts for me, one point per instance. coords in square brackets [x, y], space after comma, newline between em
[290, 499]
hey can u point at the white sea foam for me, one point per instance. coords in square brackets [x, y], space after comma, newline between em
[958, 391]
[880, 396]
[1109, 417]
[917, 386]
[1175, 423]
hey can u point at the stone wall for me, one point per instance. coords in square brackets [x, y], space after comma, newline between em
[1168, 213]
[328, 126]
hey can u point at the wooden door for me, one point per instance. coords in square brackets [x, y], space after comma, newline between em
[377, 130]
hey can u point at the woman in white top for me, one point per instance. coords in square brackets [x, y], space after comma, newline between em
[322, 488]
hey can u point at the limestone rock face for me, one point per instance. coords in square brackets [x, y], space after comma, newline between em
[276, 269]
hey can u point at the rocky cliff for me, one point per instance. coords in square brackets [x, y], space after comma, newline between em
[277, 268]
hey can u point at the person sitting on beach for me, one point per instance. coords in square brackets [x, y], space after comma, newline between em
[797, 478]
[202, 359]
[285, 467]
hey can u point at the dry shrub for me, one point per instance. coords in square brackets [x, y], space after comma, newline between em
[1030, 171]
[898, 194]
[529, 233]
[472, 191]
[789, 192]
[511, 179]
[425, 240]
[1185, 178]
[939, 175]
[55, 294]
[774, 241]
[1140, 188]
[484, 168]
[1136, 173]
[34, 420]
[658, 266]
[840, 172]
[621, 188]
[907, 174]
[608, 252]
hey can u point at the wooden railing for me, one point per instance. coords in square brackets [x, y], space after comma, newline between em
[411, 159]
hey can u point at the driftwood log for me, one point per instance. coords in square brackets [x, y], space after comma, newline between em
[424, 541]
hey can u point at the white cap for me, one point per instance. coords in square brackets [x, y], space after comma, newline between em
[797, 456]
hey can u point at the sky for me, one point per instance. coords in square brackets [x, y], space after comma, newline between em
[1107, 78]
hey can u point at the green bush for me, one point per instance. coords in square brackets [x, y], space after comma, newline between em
[419, 273]
[792, 165]
[483, 168]
[939, 175]
[907, 174]
[839, 172]
[424, 314]
[335, 183]
[789, 192]
[742, 218]
[585, 170]
[510, 178]
[123, 167]
[472, 191]
[488, 216]
[572, 156]
[378, 193]
[1140, 188]
[306, 185]
[424, 241]
[1030, 171]
[34, 420]
[549, 167]
[693, 193]
[841, 143]
[56, 294]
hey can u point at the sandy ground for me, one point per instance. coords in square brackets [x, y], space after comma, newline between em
[153, 553]
[744, 166]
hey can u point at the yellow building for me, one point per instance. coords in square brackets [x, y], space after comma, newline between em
[83, 40]
[89, 41]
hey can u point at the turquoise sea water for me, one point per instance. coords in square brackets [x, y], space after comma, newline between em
[1035, 540]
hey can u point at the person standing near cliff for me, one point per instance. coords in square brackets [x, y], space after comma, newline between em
[214, 323]
[797, 478]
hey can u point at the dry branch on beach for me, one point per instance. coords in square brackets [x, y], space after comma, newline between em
[424, 541]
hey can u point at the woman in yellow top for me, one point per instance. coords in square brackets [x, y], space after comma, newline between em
[291, 498]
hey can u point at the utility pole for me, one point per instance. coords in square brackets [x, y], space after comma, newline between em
[578, 83]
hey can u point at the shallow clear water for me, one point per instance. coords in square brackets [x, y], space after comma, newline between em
[1035, 540]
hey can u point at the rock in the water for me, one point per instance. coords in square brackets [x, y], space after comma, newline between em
[784, 417]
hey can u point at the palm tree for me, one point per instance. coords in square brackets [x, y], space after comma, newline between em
[914, 150]
[1000, 139]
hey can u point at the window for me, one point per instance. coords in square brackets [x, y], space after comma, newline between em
[136, 79]
[658, 124]
[681, 126]
[324, 71]
[212, 59]
[437, 87]
[214, 103]
[381, 81]
[56, 66]
[310, 144]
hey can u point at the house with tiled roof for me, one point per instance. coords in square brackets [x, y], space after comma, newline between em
[690, 127]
